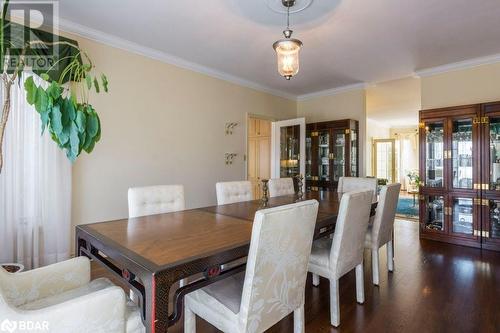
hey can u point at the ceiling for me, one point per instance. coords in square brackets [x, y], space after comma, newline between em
[346, 42]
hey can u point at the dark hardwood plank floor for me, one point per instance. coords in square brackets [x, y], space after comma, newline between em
[436, 287]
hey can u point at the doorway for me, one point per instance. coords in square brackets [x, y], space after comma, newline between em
[258, 152]
[384, 161]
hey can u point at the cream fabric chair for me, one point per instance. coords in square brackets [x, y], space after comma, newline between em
[152, 200]
[333, 258]
[231, 192]
[379, 232]
[280, 186]
[60, 298]
[349, 184]
[274, 282]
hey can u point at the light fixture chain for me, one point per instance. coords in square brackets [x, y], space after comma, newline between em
[288, 17]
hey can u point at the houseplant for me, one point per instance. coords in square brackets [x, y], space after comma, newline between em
[64, 109]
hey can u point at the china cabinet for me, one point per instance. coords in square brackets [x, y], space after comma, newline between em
[331, 153]
[460, 169]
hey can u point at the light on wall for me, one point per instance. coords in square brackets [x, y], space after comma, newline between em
[287, 49]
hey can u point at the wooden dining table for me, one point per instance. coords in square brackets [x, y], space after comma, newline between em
[152, 253]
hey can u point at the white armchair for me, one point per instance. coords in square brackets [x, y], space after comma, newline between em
[231, 192]
[333, 259]
[280, 186]
[158, 199]
[379, 232]
[61, 298]
[273, 285]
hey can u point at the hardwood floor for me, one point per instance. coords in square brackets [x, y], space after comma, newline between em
[435, 287]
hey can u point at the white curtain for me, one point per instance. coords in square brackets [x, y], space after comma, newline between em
[35, 190]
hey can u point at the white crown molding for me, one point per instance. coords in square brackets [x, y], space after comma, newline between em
[330, 92]
[495, 58]
[120, 43]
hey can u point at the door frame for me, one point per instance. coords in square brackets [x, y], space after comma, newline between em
[374, 156]
[275, 148]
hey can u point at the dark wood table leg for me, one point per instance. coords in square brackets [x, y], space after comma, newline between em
[157, 310]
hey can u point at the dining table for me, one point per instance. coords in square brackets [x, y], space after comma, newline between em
[151, 254]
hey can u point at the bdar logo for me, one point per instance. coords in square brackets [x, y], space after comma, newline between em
[8, 326]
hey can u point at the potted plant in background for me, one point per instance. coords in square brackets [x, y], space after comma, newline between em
[62, 101]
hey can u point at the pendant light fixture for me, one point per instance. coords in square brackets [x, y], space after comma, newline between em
[287, 49]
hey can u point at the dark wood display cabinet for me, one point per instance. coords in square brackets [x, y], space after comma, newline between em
[332, 151]
[458, 166]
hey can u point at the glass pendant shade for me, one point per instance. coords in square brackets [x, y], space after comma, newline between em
[287, 52]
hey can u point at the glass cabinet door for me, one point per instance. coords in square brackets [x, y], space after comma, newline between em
[339, 150]
[494, 138]
[462, 221]
[324, 155]
[493, 228]
[434, 154]
[434, 212]
[308, 175]
[289, 151]
[461, 153]
[354, 153]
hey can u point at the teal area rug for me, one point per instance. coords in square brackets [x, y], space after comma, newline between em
[406, 208]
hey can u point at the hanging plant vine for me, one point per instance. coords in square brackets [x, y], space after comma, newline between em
[64, 110]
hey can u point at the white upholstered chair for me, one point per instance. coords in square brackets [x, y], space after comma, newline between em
[274, 282]
[152, 200]
[280, 186]
[348, 184]
[333, 258]
[380, 232]
[231, 192]
[60, 298]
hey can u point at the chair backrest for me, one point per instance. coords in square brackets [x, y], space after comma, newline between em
[384, 217]
[350, 232]
[349, 184]
[231, 192]
[277, 264]
[280, 186]
[152, 200]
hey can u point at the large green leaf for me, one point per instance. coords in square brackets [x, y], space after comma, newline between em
[42, 101]
[44, 117]
[92, 124]
[90, 147]
[54, 90]
[64, 135]
[88, 79]
[55, 120]
[74, 142]
[81, 121]
[29, 86]
[69, 107]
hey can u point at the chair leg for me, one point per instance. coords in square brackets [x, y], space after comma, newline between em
[375, 272]
[189, 321]
[360, 284]
[390, 256]
[334, 303]
[315, 280]
[299, 320]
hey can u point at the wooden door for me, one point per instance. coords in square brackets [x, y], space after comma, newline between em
[259, 153]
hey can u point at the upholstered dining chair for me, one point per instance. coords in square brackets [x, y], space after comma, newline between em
[333, 258]
[273, 285]
[152, 200]
[348, 184]
[61, 298]
[231, 192]
[280, 186]
[380, 231]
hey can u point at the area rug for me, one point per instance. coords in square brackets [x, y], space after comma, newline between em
[407, 209]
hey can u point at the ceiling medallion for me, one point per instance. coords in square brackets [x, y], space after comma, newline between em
[287, 49]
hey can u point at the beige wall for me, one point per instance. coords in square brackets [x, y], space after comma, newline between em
[474, 85]
[162, 125]
[349, 104]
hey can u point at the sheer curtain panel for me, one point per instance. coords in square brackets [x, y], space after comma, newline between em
[35, 189]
